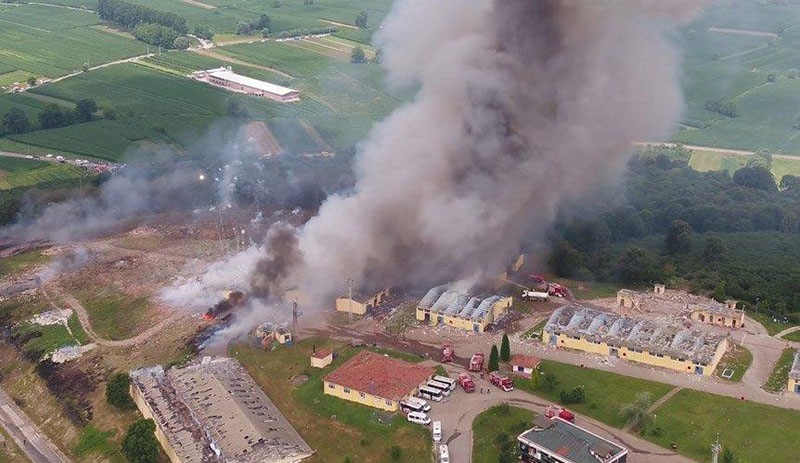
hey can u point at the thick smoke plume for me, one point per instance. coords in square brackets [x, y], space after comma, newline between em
[522, 106]
[270, 273]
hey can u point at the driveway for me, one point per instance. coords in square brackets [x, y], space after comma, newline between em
[458, 411]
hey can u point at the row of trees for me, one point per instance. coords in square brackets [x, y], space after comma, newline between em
[129, 15]
[160, 36]
[16, 121]
[303, 32]
[262, 24]
[674, 225]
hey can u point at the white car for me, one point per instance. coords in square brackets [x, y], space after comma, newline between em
[436, 430]
[419, 418]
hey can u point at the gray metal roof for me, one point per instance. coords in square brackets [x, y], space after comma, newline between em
[572, 442]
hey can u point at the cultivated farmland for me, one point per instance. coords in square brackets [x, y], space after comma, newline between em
[48, 41]
[15, 173]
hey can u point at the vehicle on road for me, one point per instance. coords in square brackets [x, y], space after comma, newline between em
[538, 296]
[419, 418]
[444, 454]
[447, 353]
[430, 393]
[436, 431]
[553, 411]
[501, 381]
[408, 407]
[466, 382]
[418, 401]
[444, 387]
[447, 380]
[476, 362]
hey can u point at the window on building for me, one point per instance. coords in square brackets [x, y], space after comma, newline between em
[331, 386]
[347, 390]
[362, 395]
[389, 403]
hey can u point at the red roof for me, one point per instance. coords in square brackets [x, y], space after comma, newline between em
[525, 361]
[379, 375]
[322, 353]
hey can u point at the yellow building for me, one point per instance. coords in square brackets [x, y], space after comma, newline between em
[441, 306]
[376, 380]
[659, 344]
[793, 385]
[718, 314]
[360, 305]
[321, 358]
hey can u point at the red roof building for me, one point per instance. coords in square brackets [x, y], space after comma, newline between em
[524, 365]
[376, 380]
[321, 358]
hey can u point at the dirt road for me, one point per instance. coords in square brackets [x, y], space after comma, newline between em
[716, 150]
[36, 446]
[83, 317]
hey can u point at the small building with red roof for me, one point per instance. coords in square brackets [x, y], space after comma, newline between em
[321, 358]
[376, 380]
[524, 365]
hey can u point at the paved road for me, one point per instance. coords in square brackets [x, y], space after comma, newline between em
[36, 446]
[459, 411]
[787, 331]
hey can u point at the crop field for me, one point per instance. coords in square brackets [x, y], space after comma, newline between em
[16, 172]
[705, 161]
[47, 41]
[735, 66]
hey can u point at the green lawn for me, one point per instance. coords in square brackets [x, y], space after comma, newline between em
[43, 172]
[738, 359]
[793, 336]
[772, 325]
[500, 419]
[334, 428]
[587, 290]
[22, 262]
[754, 432]
[780, 372]
[606, 392]
[113, 314]
[96, 442]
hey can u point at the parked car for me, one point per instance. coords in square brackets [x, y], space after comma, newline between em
[437, 431]
[419, 418]
[444, 454]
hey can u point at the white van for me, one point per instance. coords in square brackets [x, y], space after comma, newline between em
[437, 431]
[407, 407]
[444, 454]
[430, 394]
[419, 418]
[418, 401]
[444, 387]
[447, 380]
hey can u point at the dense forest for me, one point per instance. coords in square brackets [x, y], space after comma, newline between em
[727, 237]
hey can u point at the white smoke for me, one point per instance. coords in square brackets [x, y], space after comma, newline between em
[522, 105]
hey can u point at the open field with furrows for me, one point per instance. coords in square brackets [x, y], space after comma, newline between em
[46, 41]
[35, 173]
[753, 432]
[334, 428]
[222, 15]
[756, 72]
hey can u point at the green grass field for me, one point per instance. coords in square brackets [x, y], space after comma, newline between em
[113, 315]
[780, 372]
[361, 433]
[21, 262]
[793, 336]
[606, 392]
[737, 359]
[754, 432]
[500, 419]
[16, 173]
[46, 41]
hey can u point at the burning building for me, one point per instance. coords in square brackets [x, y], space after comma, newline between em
[442, 306]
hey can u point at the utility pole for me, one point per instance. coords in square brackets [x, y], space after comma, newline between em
[715, 449]
[350, 300]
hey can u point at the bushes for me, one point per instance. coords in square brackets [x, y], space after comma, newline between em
[139, 444]
[723, 108]
[118, 391]
[576, 395]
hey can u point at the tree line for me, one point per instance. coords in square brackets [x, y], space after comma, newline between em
[149, 25]
[671, 224]
[16, 121]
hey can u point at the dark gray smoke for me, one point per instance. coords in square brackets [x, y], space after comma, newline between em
[270, 273]
[522, 105]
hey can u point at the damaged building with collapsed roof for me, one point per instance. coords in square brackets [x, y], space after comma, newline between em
[661, 344]
[444, 307]
[361, 304]
[214, 412]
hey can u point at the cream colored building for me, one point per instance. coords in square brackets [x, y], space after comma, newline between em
[719, 314]
[321, 358]
[376, 380]
[361, 305]
[793, 385]
[664, 344]
[445, 307]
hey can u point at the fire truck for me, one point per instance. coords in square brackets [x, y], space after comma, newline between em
[466, 382]
[501, 381]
